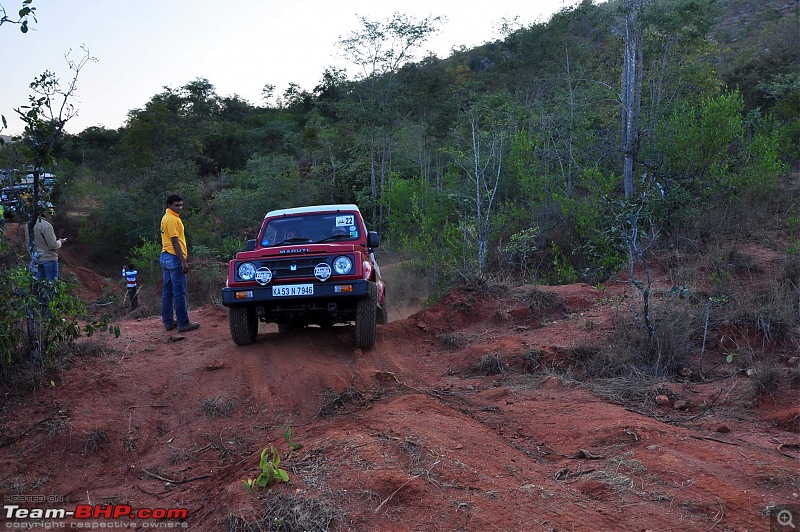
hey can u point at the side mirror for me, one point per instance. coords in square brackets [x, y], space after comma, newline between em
[373, 239]
[250, 245]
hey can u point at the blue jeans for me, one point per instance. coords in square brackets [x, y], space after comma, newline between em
[45, 271]
[173, 293]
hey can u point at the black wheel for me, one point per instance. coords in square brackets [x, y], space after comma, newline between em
[366, 314]
[382, 318]
[244, 325]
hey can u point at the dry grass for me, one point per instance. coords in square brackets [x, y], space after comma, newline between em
[218, 407]
[632, 348]
[337, 402]
[452, 340]
[532, 362]
[489, 364]
[314, 468]
[732, 261]
[96, 440]
[539, 301]
[794, 377]
[290, 513]
[771, 311]
[765, 379]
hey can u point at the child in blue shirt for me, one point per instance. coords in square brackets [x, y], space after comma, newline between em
[129, 273]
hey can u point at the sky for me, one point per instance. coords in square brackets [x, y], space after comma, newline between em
[142, 46]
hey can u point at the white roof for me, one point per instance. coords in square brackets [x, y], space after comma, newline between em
[314, 208]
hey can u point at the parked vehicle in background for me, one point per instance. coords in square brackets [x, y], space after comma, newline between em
[309, 266]
[47, 180]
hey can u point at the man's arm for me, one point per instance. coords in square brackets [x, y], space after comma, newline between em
[49, 236]
[176, 245]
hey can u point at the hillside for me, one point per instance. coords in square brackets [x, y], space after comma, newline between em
[472, 414]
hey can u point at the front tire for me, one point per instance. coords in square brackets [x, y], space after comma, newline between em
[366, 314]
[244, 325]
[382, 317]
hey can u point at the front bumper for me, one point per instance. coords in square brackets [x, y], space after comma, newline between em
[323, 292]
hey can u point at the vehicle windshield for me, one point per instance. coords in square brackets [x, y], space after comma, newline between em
[310, 229]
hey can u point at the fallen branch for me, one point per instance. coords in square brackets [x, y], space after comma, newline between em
[794, 446]
[8, 440]
[173, 481]
[577, 474]
[714, 439]
[381, 505]
[583, 453]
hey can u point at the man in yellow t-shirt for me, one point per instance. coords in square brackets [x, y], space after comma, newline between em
[174, 267]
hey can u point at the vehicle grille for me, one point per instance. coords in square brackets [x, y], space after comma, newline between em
[299, 267]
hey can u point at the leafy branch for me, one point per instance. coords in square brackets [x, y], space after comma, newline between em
[27, 11]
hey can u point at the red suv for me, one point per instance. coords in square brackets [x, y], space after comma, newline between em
[309, 265]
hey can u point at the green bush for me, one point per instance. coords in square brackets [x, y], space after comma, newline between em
[54, 326]
[145, 257]
[520, 250]
[421, 220]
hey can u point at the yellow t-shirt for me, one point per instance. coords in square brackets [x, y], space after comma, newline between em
[171, 225]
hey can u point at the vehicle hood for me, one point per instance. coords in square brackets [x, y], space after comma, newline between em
[298, 250]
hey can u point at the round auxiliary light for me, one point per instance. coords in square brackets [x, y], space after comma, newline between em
[342, 265]
[322, 271]
[247, 271]
[263, 275]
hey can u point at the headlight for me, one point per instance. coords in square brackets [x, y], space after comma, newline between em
[247, 271]
[343, 265]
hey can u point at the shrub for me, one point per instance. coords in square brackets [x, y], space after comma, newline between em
[633, 349]
[54, 326]
[489, 364]
[771, 311]
[765, 379]
[521, 248]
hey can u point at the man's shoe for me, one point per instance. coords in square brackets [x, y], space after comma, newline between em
[171, 326]
[192, 325]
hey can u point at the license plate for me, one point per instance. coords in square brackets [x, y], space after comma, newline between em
[293, 290]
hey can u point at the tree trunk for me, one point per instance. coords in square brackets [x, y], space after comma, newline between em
[631, 90]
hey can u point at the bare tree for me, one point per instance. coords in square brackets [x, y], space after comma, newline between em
[380, 49]
[488, 128]
[48, 111]
[631, 93]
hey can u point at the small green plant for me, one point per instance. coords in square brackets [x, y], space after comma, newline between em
[287, 437]
[270, 472]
